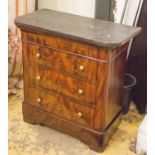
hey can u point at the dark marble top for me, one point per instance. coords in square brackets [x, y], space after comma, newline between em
[90, 30]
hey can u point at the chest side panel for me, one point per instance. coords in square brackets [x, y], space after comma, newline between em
[110, 86]
[115, 84]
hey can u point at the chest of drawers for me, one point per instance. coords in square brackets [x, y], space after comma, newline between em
[74, 73]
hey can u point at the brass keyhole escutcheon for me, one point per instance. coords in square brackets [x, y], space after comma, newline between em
[59, 107]
[60, 61]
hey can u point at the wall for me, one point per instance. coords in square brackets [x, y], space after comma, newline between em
[17, 8]
[50, 4]
[78, 7]
[11, 14]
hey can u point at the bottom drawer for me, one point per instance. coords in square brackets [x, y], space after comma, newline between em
[60, 106]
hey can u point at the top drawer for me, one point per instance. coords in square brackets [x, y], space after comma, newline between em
[61, 43]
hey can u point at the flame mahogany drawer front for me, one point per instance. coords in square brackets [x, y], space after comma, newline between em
[63, 61]
[74, 73]
[60, 106]
[63, 44]
[52, 80]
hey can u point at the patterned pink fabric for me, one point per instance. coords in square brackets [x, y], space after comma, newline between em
[16, 8]
[14, 63]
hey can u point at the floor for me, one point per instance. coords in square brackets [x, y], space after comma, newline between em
[26, 139]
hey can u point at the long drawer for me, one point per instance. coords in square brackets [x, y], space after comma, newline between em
[66, 62]
[62, 43]
[60, 106]
[51, 80]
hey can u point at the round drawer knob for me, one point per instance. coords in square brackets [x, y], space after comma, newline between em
[80, 91]
[38, 55]
[38, 100]
[38, 77]
[80, 114]
[81, 68]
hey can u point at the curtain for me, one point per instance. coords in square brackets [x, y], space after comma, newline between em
[16, 8]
